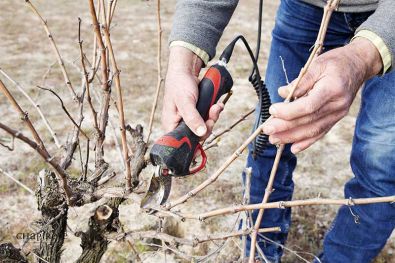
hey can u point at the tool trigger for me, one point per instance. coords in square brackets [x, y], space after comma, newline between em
[199, 148]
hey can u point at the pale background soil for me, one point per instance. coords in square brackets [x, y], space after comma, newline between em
[26, 56]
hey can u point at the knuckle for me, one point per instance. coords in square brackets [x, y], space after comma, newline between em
[311, 118]
[314, 132]
[344, 104]
[310, 107]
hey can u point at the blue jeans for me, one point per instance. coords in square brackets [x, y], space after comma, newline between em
[373, 153]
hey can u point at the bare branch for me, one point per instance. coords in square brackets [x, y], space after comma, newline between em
[194, 241]
[71, 147]
[120, 100]
[24, 115]
[36, 106]
[55, 49]
[66, 111]
[242, 118]
[106, 89]
[86, 75]
[216, 174]
[159, 69]
[61, 173]
[17, 181]
[285, 204]
[10, 147]
[113, 5]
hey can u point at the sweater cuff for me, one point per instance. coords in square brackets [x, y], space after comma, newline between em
[199, 52]
[379, 43]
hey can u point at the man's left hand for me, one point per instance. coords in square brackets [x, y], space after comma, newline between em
[324, 95]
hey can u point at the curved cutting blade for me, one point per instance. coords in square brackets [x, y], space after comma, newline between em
[158, 190]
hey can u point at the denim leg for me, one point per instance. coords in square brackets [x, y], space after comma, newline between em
[373, 164]
[295, 31]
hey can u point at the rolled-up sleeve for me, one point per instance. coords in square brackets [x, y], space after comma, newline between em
[381, 24]
[201, 23]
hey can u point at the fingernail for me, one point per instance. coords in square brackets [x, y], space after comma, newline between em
[268, 130]
[273, 110]
[201, 130]
[295, 150]
[274, 140]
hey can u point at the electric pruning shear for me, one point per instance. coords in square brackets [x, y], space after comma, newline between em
[173, 153]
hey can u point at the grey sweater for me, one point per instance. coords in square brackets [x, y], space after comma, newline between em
[201, 22]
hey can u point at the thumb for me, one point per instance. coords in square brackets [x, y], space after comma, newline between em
[305, 84]
[192, 117]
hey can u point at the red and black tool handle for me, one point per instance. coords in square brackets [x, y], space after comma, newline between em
[176, 149]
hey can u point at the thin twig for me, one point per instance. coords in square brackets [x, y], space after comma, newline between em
[66, 111]
[242, 118]
[117, 81]
[23, 115]
[286, 204]
[106, 89]
[242, 232]
[328, 10]
[86, 76]
[159, 70]
[55, 49]
[213, 144]
[36, 106]
[216, 174]
[194, 241]
[71, 147]
[61, 173]
[114, 4]
[17, 181]
[10, 147]
[246, 200]
[94, 66]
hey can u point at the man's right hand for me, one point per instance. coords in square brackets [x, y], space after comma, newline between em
[181, 94]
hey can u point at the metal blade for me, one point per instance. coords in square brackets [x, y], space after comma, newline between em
[158, 190]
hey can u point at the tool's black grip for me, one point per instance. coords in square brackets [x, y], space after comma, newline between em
[176, 149]
[216, 82]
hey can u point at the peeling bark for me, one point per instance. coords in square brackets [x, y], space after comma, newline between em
[52, 225]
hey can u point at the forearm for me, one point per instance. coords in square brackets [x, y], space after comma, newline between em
[381, 23]
[366, 57]
[184, 61]
[201, 23]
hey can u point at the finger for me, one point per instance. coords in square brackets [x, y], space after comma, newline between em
[303, 106]
[276, 125]
[303, 145]
[305, 84]
[215, 111]
[191, 116]
[210, 125]
[310, 130]
[170, 118]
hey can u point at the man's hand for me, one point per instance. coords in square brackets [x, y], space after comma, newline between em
[181, 94]
[324, 94]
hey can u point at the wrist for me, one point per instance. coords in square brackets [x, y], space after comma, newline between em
[182, 59]
[368, 56]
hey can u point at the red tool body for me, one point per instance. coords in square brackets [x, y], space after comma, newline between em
[175, 150]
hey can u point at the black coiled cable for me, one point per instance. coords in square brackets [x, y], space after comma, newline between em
[261, 141]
